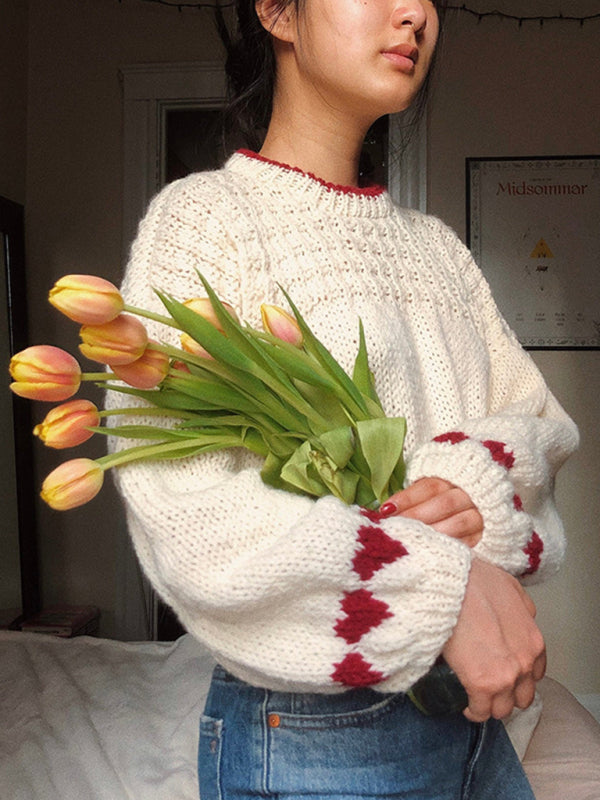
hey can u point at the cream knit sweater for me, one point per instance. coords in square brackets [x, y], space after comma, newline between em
[295, 594]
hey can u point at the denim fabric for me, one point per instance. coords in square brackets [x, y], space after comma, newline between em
[360, 744]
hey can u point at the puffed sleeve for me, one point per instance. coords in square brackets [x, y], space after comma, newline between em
[506, 461]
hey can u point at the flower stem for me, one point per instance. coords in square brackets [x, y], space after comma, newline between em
[148, 451]
[150, 411]
[97, 376]
[141, 312]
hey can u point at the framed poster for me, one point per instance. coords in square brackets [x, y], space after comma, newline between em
[533, 226]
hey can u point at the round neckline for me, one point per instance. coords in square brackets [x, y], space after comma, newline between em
[356, 191]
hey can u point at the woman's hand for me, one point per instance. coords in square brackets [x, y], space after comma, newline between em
[442, 505]
[496, 649]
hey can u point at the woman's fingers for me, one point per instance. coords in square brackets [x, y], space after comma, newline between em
[417, 493]
[442, 505]
[465, 525]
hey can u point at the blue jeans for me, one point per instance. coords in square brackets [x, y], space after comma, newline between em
[255, 743]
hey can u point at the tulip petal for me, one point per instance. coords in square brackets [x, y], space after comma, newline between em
[72, 484]
[204, 307]
[118, 342]
[67, 425]
[146, 372]
[44, 372]
[191, 346]
[280, 324]
[87, 299]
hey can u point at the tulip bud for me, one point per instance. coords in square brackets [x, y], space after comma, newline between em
[191, 346]
[281, 324]
[145, 373]
[120, 341]
[180, 366]
[44, 372]
[203, 306]
[86, 299]
[67, 424]
[72, 484]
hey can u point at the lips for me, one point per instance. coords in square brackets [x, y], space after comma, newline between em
[403, 55]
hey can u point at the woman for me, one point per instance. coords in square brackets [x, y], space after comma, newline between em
[322, 616]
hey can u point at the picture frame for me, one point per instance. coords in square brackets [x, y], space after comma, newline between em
[20, 589]
[533, 226]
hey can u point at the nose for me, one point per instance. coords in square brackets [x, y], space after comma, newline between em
[410, 13]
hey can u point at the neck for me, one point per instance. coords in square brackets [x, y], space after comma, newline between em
[318, 140]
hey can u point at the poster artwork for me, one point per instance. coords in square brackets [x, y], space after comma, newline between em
[534, 229]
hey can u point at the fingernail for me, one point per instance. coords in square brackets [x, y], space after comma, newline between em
[387, 510]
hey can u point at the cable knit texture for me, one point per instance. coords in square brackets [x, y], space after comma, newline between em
[296, 594]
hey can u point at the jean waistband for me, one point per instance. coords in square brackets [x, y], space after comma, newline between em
[346, 701]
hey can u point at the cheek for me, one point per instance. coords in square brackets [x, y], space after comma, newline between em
[347, 23]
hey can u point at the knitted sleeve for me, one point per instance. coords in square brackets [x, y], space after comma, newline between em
[507, 461]
[287, 592]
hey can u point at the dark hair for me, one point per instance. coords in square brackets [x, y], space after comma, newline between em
[250, 68]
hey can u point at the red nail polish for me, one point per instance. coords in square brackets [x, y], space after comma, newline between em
[387, 510]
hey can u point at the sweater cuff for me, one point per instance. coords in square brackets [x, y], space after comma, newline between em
[420, 624]
[482, 470]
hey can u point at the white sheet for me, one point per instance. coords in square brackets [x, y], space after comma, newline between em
[96, 719]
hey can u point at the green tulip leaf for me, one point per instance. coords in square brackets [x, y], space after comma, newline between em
[324, 357]
[361, 374]
[338, 445]
[340, 482]
[381, 442]
[299, 471]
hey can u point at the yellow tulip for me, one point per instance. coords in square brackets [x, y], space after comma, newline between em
[44, 372]
[120, 341]
[86, 299]
[67, 424]
[72, 484]
[146, 372]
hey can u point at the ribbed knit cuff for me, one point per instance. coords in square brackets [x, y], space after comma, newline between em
[482, 470]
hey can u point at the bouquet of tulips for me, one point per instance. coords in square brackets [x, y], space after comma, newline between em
[277, 392]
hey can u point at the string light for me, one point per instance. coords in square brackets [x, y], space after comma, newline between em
[481, 15]
[521, 19]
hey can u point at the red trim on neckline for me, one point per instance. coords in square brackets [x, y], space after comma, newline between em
[367, 191]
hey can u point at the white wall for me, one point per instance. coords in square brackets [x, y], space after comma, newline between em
[502, 90]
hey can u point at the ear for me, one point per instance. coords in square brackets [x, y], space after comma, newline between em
[277, 20]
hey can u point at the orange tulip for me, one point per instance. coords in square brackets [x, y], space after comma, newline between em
[72, 484]
[203, 306]
[146, 372]
[118, 342]
[86, 299]
[281, 324]
[67, 424]
[44, 372]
